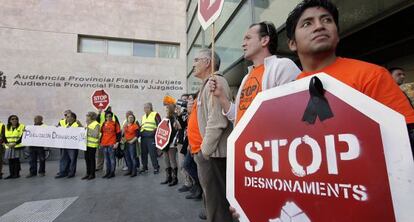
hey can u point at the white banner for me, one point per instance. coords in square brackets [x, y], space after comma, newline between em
[55, 137]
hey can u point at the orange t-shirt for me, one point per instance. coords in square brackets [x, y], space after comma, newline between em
[109, 131]
[372, 80]
[193, 132]
[251, 87]
[130, 131]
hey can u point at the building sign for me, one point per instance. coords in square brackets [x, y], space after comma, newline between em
[49, 94]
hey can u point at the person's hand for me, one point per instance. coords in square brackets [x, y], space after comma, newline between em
[215, 87]
[190, 103]
[177, 125]
[116, 146]
[233, 212]
[11, 145]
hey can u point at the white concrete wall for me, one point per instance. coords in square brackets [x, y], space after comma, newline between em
[40, 37]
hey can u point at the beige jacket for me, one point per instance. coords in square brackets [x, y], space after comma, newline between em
[214, 127]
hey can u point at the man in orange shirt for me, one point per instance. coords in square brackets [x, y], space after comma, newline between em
[111, 136]
[268, 70]
[312, 30]
[194, 145]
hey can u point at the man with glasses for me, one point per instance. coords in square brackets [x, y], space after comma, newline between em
[213, 128]
[268, 70]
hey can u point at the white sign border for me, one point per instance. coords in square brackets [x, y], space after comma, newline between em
[156, 132]
[206, 24]
[109, 101]
[400, 165]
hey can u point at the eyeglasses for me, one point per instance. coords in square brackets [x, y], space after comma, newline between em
[13, 119]
[198, 59]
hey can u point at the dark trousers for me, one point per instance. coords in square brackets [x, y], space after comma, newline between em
[90, 161]
[14, 167]
[148, 146]
[68, 162]
[1, 159]
[190, 166]
[37, 153]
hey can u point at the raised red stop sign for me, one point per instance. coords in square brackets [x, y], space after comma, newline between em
[355, 166]
[163, 133]
[100, 99]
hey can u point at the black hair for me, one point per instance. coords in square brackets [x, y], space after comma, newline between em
[109, 112]
[268, 29]
[194, 95]
[296, 13]
[132, 116]
[392, 69]
[9, 125]
[73, 115]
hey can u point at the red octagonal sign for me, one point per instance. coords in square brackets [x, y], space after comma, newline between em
[100, 99]
[355, 166]
[163, 133]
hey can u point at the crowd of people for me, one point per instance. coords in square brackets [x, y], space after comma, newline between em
[197, 147]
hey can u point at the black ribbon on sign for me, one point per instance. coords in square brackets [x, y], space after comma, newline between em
[318, 106]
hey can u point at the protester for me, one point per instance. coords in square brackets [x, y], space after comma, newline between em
[312, 30]
[68, 160]
[37, 153]
[2, 129]
[130, 139]
[150, 121]
[92, 143]
[182, 144]
[170, 151]
[12, 139]
[111, 136]
[398, 75]
[214, 128]
[268, 70]
[194, 141]
[101, 119]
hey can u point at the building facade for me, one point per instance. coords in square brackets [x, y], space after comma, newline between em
[55, 54]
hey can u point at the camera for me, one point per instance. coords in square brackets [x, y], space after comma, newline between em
[181, 103]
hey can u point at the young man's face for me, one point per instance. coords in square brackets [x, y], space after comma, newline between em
[315, 33]
[253, 43]
[399, 76]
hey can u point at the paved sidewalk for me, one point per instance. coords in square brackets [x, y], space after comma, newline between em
[118, 199]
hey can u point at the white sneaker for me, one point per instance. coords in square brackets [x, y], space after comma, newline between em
[125, 168]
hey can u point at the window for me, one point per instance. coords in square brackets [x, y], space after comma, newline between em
[89, 45]
[128, 47]
[228, 45]
[144, 49]
[168, 51]
[120, 48]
